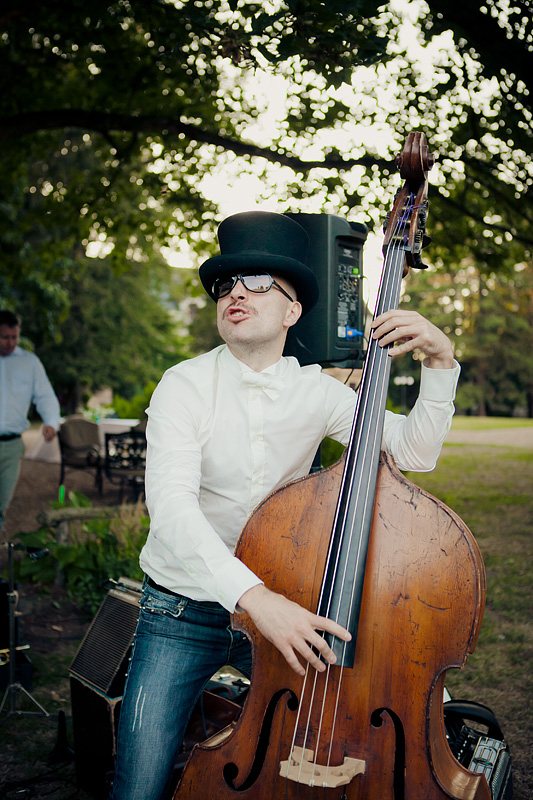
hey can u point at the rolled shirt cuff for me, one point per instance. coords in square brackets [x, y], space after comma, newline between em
[232, 581]
[439, 384]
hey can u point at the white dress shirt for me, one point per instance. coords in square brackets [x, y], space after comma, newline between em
[23, 380]
[218, 444]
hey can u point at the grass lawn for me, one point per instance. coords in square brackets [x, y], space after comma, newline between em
[491, 490]
[489, 423]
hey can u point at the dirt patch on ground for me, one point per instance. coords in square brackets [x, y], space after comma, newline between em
[37, 755]
[38, 485]
[53, 626]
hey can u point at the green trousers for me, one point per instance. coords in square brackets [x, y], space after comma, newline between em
[10, 460]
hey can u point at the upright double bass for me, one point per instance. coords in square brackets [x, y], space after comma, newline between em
[358, 543]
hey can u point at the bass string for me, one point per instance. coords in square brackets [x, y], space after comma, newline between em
[391, 287]
[370, 447]
[389, 293]
[376, 399]
[387, 298]
[385, 293]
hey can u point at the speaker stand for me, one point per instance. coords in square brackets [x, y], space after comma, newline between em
[14, 688]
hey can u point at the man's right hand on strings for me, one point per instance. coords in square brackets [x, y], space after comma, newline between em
[291, 628]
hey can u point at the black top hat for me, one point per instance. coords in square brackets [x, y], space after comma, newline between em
[263, 241]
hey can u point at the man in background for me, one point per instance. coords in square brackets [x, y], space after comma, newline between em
[23, 380]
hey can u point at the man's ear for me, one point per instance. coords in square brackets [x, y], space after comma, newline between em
[293, 315]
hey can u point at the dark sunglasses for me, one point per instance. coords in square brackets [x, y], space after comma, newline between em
[260, 283]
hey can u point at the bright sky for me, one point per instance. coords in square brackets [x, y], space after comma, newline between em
[244, 197]
[234, 192]
[373, 89]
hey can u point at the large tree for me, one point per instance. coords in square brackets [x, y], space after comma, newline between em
[150, 82]
[110, 118]
[489, 317]
[129, 72]
[113, 114]
[169, 80]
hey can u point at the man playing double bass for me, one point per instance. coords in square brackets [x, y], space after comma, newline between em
[224, 430]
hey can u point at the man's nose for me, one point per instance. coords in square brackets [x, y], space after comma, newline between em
[239, 290]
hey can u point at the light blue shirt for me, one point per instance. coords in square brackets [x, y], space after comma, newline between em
[23, 380]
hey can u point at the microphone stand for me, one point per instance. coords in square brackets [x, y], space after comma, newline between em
[14, 688]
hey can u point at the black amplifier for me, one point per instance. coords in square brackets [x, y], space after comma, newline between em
[482, 751]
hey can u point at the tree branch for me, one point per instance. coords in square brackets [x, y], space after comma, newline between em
[466, 211]
[103, 122]
[487, 36]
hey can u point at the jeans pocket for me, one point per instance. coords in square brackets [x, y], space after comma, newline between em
[157, 603]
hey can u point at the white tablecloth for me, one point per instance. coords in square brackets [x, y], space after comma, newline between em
[39, 450]
[115, 426]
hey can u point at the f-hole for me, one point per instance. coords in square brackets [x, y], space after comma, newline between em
[399, 752]
[231, 770]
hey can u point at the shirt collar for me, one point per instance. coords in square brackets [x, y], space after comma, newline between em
[271, 380]
[237, 368]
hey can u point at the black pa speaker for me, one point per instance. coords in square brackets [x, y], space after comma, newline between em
[332, 334]
[97, 677]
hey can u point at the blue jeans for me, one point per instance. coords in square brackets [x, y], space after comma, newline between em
[178, 645]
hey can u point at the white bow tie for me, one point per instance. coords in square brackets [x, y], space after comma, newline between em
[272, 385]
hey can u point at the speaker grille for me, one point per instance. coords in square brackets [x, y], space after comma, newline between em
[103, 651]
[332, 333]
